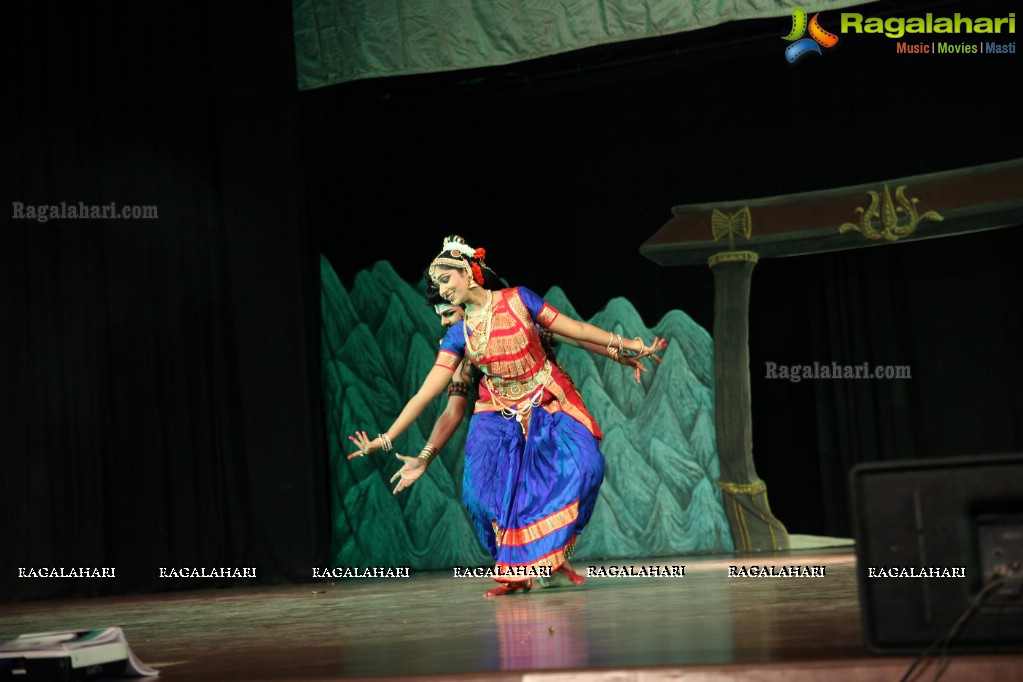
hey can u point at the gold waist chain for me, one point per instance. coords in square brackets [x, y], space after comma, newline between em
[515, 389]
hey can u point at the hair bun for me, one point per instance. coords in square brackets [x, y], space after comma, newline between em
[456, 246]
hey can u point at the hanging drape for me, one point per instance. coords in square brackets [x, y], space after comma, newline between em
[345, 40]
[160, 375]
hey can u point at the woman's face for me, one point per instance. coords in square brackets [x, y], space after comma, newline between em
[452, 285]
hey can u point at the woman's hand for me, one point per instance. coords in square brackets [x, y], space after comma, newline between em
[651, 351]
[412, 468]
[364, 444]
[657, 346]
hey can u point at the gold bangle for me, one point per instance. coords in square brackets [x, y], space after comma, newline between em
[385, 441]
[634, 353]
[428, 452]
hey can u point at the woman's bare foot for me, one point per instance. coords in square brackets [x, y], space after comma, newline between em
[509, 587]
[566, 570]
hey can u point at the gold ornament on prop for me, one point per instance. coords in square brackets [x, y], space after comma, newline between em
[739, 223]
[883, 209]
[743, 488]
[733, 257]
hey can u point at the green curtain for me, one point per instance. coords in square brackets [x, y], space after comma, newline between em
[659, 496]
[344, 40]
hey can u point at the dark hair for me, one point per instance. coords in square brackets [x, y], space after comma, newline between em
[432, 293]
[490, 278]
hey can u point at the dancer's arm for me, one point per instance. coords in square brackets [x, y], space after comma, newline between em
[637, 367]
[584, 332]
[448, 421]
[413, 467]
[627, 352]
[432, 387]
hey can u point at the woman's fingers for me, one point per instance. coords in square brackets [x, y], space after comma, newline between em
[363, 442]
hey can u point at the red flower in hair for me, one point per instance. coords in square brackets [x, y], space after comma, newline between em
[480, 254]
[477, 273]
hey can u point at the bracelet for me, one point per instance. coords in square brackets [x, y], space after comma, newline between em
[612, 352]
[635, 353]
[385, 440]
[428, 453]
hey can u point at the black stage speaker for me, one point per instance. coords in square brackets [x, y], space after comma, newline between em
[939, 548]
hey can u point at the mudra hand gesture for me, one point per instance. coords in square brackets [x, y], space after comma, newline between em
[632, 358]
[365, 444]
[412, 468]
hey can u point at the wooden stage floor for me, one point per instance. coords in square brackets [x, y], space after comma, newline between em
[704, 626]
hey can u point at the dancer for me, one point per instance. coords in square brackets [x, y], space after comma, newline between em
[533, 467]
[460, 390]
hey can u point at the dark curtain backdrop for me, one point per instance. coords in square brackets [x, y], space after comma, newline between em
[161, 382]
[950, 309]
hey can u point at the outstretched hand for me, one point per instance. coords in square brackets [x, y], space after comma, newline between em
[412, 468]
[650, 351]
[364, 443]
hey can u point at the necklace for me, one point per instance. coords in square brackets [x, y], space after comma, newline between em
[482, 329]
[482, 310]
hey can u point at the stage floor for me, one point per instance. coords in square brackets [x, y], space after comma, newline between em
[703, 626]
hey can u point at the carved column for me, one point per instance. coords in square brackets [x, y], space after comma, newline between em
[754, 527]
[959, 201]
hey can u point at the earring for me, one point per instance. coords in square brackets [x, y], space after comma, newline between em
[472, 284]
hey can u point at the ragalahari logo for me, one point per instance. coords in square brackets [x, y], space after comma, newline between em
[802, 46]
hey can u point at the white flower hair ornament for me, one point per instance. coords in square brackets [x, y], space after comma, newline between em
[455, 253]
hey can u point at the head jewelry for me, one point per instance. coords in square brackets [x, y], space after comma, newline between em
[455, 253]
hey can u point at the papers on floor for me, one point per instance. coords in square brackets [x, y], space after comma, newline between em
[70, 654]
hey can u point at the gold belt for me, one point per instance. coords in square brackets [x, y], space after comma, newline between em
[515, 389]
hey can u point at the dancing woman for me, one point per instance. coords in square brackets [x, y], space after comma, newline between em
[461, 391]
[532, 464]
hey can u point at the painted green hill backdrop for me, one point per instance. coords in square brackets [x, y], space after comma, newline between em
[659, 496]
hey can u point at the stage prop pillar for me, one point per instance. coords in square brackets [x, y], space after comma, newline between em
[900, 210]
[754, 528]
